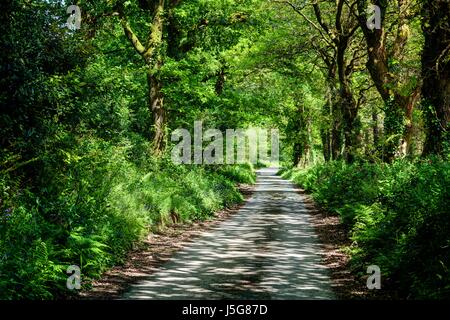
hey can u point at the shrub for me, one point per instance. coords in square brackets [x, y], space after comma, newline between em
[91, 201]
[397, 215]
[243, 173]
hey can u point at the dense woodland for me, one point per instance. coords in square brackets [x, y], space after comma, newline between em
[87, 115]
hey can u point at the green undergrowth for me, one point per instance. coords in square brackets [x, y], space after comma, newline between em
[89, 204]
[397, 215]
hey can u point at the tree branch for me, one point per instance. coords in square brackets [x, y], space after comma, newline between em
[318, 14]
[339, 16]
[132, 37]
[134, 40]
[315, 26]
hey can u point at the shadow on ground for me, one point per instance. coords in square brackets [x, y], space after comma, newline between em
[269, 250]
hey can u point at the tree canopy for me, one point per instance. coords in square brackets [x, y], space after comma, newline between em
[87, 115]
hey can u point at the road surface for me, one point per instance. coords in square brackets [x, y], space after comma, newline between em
[268, 250]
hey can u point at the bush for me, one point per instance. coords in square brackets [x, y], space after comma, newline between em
[243, 173]
[397, 215]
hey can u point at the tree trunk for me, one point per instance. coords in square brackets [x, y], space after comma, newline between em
[326, 132]
[325, 136]
[153, 58]
[301, 151]
[398, 106]
[436, 75]
[220, 83]
[349, 107]
[297, 154]
[336, 134]
[156, 103]
[351, 127]
[375, 129]
[335, 109]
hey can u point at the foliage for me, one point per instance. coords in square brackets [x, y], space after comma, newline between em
[91, 204]
[80, 183]
[397, 217]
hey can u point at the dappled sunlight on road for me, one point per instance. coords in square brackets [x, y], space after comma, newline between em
[267, 251]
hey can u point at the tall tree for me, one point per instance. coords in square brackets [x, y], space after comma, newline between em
[382, 62]
[335, 48]
[436, 74]
[152, 53]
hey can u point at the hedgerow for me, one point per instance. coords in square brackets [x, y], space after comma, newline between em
[397, 215]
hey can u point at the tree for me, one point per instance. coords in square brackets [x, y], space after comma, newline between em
[383, 63]
[152, 53]
[436, 74]
[336, 40]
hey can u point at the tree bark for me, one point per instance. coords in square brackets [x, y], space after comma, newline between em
[156, 102]
[348, 103]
